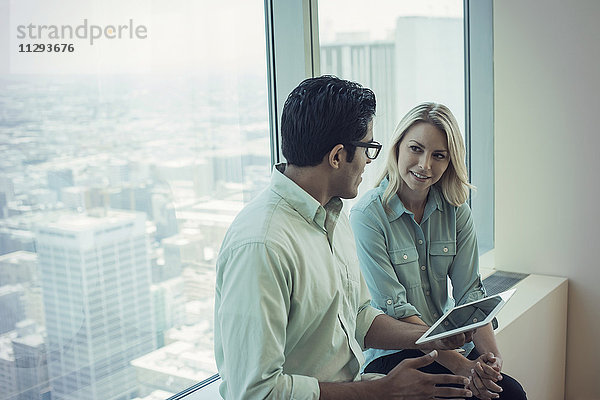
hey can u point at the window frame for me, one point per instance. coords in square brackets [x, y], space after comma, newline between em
[479, 116]
[292, 40]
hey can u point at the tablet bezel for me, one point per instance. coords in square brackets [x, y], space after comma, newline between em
[504, 296]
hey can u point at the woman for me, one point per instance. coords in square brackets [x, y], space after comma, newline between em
[413, 232]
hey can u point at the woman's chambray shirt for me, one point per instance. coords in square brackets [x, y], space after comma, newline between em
[407, 265]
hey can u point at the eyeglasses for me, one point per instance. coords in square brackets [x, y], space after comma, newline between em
[372, 149]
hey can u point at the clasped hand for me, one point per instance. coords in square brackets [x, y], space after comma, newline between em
[483, 373]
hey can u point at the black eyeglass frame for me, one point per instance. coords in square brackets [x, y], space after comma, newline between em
[367, 146]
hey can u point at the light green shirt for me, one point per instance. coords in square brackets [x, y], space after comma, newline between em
[407, 265]
[291, 306]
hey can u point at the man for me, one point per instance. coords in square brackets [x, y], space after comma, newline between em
[292, 311]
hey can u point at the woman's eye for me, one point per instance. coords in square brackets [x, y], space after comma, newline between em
[415, 148]
[439, 156]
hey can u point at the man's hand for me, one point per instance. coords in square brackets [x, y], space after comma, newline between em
[452, 342]
[405, 381]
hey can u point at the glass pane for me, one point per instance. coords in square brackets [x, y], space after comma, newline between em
[123, 164]
[407, 51]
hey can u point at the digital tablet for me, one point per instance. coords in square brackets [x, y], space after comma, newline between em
[466, 317]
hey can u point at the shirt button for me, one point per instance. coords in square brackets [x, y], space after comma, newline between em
[423, 268]
[420, 241]
[389, 302]
[445, 249]
[474, 319]
[405, 256]
[446, 323]
[435, 315]
[428, 293]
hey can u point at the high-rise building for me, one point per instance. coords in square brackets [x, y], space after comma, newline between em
[430, 63]
[7, 187]
[8, 370]
[59, 178]
[12, 309]
[96, 282]
[18, 267]
[3, 205]
[31, 362]
[169, 306]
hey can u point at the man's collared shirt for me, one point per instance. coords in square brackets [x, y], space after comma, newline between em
[291, 307]
[407, 265]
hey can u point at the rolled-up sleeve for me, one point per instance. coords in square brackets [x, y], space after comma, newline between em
[388, 294]
[366, 315]
[464, 271]
[251, 314]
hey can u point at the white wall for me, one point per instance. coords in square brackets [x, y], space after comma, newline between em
[547, 161]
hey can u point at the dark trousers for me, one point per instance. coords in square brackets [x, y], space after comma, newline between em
[511, 389]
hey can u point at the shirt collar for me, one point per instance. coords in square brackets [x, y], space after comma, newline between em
[434, 201]
[300, 200]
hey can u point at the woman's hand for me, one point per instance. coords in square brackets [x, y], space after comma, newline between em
[493, 361]
[485, 375]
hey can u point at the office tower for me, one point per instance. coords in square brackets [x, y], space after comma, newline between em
[181, 250]
[7, 187]
[14, 238]
[430, 60]
[98, 307]
[164, 216]
[74, 197]
[118, 172]
[31, 364]
[169, 306]
[203, 177]
[372, 64]
[59, 178]
[12, 309]
[8, 370]
[133, 197]
[3, 205]
[18, 267]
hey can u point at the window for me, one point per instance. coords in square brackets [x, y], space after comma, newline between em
[131, 154]
[406, 52]
[410, 52]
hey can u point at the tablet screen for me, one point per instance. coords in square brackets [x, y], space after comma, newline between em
[466, 317]
[469, 314]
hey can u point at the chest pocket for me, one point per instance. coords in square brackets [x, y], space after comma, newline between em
[441, 255]
[406, 266]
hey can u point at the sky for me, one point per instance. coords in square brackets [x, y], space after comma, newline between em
[183, 36]
[378, 17]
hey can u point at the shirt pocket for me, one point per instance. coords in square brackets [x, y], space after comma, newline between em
[406, 266]
[441, 256]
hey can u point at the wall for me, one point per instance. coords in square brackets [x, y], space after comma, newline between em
[547, 159]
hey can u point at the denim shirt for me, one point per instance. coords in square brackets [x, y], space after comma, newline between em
[407, 265]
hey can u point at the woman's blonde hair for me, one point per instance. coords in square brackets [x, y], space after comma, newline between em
[455, 181]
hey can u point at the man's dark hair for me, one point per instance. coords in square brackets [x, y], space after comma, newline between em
[321, 113]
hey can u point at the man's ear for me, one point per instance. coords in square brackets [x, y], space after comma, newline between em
[335, 155]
